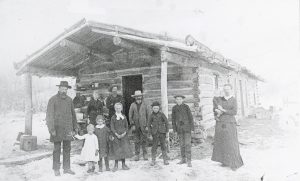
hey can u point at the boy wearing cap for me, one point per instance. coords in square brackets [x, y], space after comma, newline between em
[183, 124]
[158, 125]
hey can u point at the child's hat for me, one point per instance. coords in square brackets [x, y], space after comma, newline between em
[179, 95]
[155, 103]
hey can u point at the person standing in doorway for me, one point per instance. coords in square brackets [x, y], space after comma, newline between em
[62, 125]
[112, 99]
[95, 108]
[138, 117]
[183, 125]
[226, 145]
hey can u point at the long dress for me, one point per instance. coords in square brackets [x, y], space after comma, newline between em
[120, 148]
[226, 145]
[88, 152]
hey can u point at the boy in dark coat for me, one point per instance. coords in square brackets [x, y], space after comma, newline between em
[158, 125]
[183, 124]
[103, 134]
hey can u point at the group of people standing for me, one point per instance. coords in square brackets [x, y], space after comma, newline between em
[108, 139]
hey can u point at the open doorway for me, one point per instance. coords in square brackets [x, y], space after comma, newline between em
[130, 84]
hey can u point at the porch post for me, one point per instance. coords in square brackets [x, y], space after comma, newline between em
[27, 141]
[164, 86]
[28, 104]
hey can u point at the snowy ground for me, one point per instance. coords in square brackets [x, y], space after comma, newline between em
[267, 150]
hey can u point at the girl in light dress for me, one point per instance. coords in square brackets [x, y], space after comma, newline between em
[90, 150]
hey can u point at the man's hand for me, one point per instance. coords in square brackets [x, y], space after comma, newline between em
[146, 128]
[53, 132]
[111, 138]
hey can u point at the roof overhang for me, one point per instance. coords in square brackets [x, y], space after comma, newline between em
[64, 55]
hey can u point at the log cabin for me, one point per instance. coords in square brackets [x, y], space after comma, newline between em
[99, 55]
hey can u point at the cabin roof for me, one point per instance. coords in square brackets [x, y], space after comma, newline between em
[68, 51]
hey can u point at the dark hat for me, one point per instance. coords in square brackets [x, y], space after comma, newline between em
[155, 103]
[112, 86]
[179, 96]
[64, 84]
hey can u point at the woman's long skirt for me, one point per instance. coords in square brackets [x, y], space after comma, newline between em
[226, 145]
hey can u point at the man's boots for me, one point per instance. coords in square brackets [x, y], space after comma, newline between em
[183, 161]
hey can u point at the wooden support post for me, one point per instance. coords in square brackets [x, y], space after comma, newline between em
[164, 87]
[27, 141]
[28, 104]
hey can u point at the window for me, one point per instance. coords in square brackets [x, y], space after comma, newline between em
[216, 79]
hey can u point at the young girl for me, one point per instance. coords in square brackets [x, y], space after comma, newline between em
[120, 149]
[103, 134]
[89, 152]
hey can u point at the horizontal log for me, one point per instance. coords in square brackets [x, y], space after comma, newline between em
[171, 85]
[208, 117]
[206, 101]
[171, 92]
[208, 124]
[206, 79]
[188, 99]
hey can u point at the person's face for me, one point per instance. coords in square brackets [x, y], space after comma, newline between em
[100, 121]
[138, 100]
[63, 90]
[155, 109]
[90, 130]
[179, 100]
[96, 96]
[118, 108]
[114, 90]
[227, 90]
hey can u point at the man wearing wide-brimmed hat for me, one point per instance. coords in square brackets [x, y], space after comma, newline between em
[62, 125]
[138, 117]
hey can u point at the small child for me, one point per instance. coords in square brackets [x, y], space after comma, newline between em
[103, 134]
[89, 152]
[158, 125]
[120, 149]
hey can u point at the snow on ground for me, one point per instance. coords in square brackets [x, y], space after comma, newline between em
[267, 151]
[14, 123]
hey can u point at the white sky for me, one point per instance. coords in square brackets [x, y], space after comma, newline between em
[260, 34]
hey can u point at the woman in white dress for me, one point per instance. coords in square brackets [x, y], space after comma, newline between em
[89, 152]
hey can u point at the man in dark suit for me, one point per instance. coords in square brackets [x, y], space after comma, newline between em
[62, 125]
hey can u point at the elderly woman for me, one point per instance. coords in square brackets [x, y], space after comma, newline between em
[226, 145]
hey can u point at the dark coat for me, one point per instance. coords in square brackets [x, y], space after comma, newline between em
[158, 123]
[95, 108]
[139, 118]
[182, 119]
[103, 140]
[61, 117]
[120, 148]
[110, 103]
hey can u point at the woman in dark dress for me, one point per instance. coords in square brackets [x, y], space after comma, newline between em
[120, 148]
[226, 145]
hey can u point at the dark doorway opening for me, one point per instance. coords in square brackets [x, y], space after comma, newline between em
[129, 85]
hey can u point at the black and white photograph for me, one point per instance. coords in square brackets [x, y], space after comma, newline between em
[156, 90]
